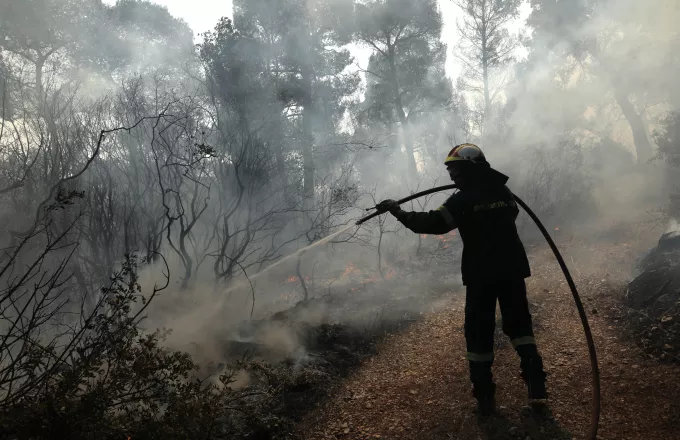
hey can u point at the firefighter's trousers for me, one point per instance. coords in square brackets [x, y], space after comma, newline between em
[480, 324]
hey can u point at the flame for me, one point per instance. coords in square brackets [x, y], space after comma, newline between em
[557, 228]
[445, 239]
[350, 269]
[391, 274]
[295, 279]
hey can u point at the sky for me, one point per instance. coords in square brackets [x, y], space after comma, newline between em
[202, 15]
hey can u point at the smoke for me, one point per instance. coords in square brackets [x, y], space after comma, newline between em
[587, 60]
[557, 131]
[569, 124]
[673, 227]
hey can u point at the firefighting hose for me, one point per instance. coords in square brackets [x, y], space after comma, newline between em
[595, 414]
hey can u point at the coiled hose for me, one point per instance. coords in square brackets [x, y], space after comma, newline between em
[595, 415]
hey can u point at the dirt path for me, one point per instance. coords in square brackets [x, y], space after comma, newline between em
[417, 387]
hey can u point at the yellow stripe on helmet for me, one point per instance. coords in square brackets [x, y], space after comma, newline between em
[452, 159]
[453, 153]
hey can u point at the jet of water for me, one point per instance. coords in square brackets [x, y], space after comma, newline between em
[298, 253]
[302, 251]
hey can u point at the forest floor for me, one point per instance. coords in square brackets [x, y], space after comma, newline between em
[416, 385]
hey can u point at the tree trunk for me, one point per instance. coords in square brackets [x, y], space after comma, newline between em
[487, 98]
[6, 109]
[408, 143]
[643, 148]
[637, 125]
[403, 120]
[277, 145]
[308, 138]
[186, 261]
[485, 72]
[39, 87]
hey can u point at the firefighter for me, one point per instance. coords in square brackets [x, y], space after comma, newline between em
[494, 267]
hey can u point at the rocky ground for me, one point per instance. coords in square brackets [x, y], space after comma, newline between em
[651, 305]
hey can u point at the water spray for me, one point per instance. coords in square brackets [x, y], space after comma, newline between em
[595, 415]
[298, 254]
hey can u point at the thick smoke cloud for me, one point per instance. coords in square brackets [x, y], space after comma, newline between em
[270, 136]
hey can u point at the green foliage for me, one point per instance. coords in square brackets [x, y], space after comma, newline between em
[248, 132]
[142, 33]
[408, 60]
[86, 34]
[298, 49]
[113, 381]
[555, 23]
[35, 27]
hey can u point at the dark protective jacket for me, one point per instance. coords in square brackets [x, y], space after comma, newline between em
[484, 211]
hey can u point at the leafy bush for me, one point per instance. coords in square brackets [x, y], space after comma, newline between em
[108, 380]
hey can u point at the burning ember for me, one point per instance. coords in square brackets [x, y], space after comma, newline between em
[445, 240]
[353, 274]
[350, 269]
[295, 279]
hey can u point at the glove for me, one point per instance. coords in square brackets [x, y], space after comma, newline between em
[388, 205]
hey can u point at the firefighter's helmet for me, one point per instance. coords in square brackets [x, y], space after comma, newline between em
[466, 152]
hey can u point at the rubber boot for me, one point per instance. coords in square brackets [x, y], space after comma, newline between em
[483, 388]
[533, 374]
[486, 401]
